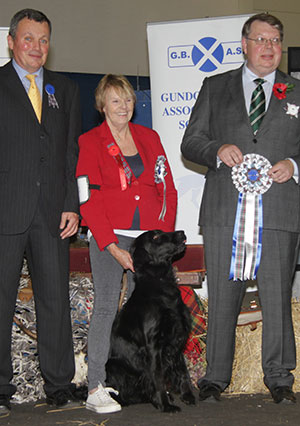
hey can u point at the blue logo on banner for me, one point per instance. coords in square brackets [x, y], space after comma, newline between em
[207, 54]
[211, 50]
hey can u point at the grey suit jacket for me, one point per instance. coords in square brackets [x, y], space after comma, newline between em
[219, 117]
[37, 161]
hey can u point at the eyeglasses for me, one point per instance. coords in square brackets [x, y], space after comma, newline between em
[262, 41]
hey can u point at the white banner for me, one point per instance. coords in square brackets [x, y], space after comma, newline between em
[181, 55]
[4, 51]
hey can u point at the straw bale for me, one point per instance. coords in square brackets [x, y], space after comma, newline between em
[247, 376]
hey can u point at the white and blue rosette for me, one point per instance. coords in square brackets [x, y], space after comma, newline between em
[251, 179]
[159, 176]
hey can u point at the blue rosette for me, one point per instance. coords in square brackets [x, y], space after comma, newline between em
[50, 90]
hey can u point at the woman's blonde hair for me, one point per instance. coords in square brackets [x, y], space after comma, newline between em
[117, 82]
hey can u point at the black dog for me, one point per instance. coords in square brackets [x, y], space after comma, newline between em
[150, 332]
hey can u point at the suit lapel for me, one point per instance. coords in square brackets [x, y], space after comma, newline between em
[47, 80]
[274, 111]
[17, 89]
[50, 110]
[235, 87]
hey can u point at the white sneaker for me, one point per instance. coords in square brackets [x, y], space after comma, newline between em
[100, 401]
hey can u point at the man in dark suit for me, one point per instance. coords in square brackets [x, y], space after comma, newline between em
[39, 201]
[219, 136]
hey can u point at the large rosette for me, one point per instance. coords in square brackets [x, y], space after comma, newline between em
[251, 179]
[252, 175]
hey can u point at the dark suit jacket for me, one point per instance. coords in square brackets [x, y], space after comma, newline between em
[220, 117]
[37, 161]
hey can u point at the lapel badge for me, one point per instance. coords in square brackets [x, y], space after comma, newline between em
[292, 110]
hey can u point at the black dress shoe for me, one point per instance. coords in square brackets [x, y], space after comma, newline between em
[283, 394]
[210, 392]
[4, 405]
[61, 398]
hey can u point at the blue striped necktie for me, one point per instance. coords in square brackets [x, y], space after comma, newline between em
[257, 105]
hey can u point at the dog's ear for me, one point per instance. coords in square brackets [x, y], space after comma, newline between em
[140, 256]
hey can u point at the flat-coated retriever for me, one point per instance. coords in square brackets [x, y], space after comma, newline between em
[150, 332]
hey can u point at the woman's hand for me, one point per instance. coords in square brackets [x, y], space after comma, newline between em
[121, 256]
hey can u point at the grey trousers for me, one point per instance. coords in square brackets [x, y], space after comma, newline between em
[274, 281]
[107, 276]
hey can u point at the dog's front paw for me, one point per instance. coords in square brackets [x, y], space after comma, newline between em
[169, 408]
[188, 398]
[170, 396]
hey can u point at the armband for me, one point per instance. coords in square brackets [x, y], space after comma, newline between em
[83, 189]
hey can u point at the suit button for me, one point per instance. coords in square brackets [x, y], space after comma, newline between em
[254, 140]
[42, 135]
[38, 183]
[135, 183]
[42, 159]
[137, 197]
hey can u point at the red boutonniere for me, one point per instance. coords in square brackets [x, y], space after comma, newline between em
[280, 89]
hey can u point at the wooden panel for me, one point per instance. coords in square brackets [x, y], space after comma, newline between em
[193, 259]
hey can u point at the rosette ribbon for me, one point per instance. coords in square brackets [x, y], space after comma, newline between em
[251, 179]
[124, 169]
[159, 176]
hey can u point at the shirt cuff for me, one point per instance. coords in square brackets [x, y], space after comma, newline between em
[296, 170]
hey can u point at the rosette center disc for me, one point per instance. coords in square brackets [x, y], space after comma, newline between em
[253, 175]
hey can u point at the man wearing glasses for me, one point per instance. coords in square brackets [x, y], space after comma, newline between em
[245, 127]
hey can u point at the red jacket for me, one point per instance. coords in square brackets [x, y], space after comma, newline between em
[111, 208]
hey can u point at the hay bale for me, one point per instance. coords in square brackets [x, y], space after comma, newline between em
[247, 375]
[27, 374]
[247, 372]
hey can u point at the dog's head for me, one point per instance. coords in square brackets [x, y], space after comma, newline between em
[157, 248]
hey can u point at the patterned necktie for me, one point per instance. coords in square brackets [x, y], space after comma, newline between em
[35, 96]
[258, 105]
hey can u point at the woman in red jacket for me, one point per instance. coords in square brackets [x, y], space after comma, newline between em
[125, 188]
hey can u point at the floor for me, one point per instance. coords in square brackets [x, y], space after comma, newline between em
[233, 410]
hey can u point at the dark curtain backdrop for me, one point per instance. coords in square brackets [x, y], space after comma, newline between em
[91, 117]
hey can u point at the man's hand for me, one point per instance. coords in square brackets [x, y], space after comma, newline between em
[69, 223]
[282, 171]
[230, 155]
